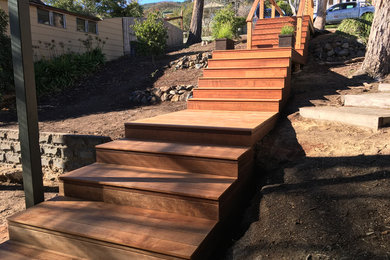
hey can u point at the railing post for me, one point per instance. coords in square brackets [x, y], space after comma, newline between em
[273, 11]
[298, 35]
[261, 15]
[249, 35]
[26, 101]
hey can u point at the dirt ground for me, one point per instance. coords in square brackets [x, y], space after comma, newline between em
[323, 187]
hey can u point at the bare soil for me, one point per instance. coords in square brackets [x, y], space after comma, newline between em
[323, 187]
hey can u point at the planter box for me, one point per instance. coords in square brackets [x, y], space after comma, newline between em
[286, 40]
[224, 44]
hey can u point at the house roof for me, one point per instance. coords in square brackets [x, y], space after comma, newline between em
[41, 4]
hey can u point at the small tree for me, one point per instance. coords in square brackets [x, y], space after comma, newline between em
[225, 18]
[151, 35]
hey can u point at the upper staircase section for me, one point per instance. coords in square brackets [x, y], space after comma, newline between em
[263, 31]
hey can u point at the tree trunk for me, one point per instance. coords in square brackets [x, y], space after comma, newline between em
[195, 34]
[319, 23]
[377, 59]
[293, 8]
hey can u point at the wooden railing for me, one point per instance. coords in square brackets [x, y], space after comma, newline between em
[306, 7]
[253, 16]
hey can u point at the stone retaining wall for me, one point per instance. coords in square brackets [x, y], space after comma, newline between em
[59, 152]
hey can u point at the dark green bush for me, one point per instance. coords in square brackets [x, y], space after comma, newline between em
[61, 72]
[6, 73]
[359, 28]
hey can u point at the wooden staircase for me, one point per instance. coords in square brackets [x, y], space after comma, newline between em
[169, 189]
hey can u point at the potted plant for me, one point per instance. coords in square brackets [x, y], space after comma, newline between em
[224, 37]
[286, 36]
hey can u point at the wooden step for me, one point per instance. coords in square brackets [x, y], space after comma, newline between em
[11, 250]
[206, 159]
[188, 194]
[263, 53]
[237, 128]
[240, 82]
[274, 30]
[240, 93]
[249, 62]
[273, 42]
[266, 105]
[246, 72]
[98, 230]
[263, 26]
[283, 19]
[271, 36]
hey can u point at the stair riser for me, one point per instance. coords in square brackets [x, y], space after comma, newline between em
[241, 83]
[76, 245]
[255, 54]
[195, 136]
[286, 19]
[262, 26]
[249, 73]
[271, 36]
[266, 106]
[186, 206]
[269, 42]
[279, 62]
[169, 162]
[272, 31]
[238, 93]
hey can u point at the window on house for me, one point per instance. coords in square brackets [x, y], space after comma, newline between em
[80, 25]
[58, 20]
[86, 26]
[43, 17]
[51, 18]
[92, 27]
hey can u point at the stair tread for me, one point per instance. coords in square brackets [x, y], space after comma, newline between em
[247, 68]
[154, 231]
[203, 186]
[191, 150]
[218, 78]
[11, 250]
[216, 119]
[234, 99]
[240, 88]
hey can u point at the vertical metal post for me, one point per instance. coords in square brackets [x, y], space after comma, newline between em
[26, 101]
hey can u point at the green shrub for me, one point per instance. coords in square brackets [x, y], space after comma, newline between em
[225, 31]
[61, 72]
[287, 29]
[225, 16]
[359, 28]
[151, 35]
[6, 72]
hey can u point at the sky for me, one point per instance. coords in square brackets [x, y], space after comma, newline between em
[142, 2]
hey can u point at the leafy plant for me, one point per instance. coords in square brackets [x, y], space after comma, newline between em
[225, 31]
[287, 30]
[223, 17]
[151, 35]
[359, 28]
[61, 72]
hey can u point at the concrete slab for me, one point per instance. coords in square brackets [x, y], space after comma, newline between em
[379, 100]
[384, 87]
[373, 118]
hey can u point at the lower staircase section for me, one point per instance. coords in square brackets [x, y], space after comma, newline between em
[172, 187]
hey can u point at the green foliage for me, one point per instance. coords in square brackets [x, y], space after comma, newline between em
[61, 72]
[6, 72]
[187, 15]
[287, 29]
[359, 28]
[285, 7]
[223, 17]
[225, 31]
[151, 35]
[101, 8]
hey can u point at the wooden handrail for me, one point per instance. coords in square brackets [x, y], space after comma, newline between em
[252, 11]
[273, 2]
